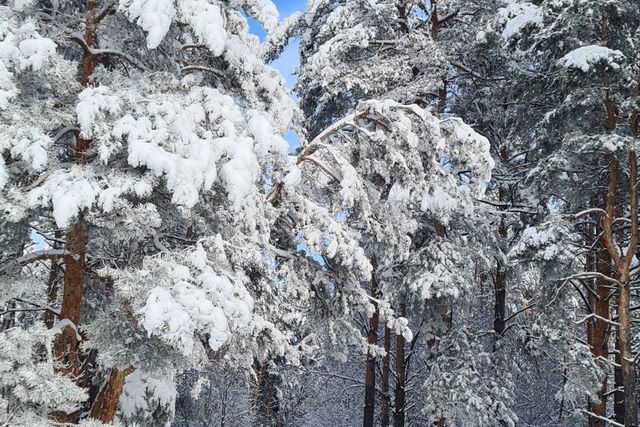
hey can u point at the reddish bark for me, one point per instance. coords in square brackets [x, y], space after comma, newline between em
[106, 404]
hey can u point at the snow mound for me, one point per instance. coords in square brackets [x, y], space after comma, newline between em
[585, 57]
[518, 16]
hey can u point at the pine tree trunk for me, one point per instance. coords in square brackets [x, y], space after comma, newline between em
[618, 395]
[626, 357]
[259, 398]
[66, 347]
[400, 392]
[106, 403]
[386, 400]
[370, 370]
[597, 335]
[500, 283]
[622, 263]
[500, 303]
[66, 343]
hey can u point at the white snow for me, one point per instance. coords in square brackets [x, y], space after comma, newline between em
[517, 16]
[293, 177]
[585, 57]
[35, 52]
[153, 16]
[68, 192]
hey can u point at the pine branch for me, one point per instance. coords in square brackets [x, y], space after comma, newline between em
[88, 50]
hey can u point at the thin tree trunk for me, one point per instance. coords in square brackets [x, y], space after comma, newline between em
[370, 369]
[500, 303]
[66, 347]
[500, 288]
[386, 400]
[259, 392]
[400, 392]
[597, 335]
[500, 283]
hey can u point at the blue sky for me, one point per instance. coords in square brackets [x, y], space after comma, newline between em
[288, 61]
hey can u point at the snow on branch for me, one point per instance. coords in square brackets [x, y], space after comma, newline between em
[219, 74]
[108, 52]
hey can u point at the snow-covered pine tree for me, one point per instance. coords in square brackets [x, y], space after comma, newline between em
[583, 63]
[137, 149]
[352, 53]
[492, 91]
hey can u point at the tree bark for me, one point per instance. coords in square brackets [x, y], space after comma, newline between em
[598, 333]
[106, 403]
[370, 369]
[91, 39]
[386, 400]
[500, 303]
[66, 345]
[623, 263]
[400, 392]
[626, 357]
[618, 395]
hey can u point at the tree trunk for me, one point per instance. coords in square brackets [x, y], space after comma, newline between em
[400, 392]
[386, 400]
[626, 357]
[9, 319]
[500, 303]
[370, 370]
[91, 39]
[500, 283]
[618, 395]
[622, 262]
[66, 345]
[106, 403]
[598, 332]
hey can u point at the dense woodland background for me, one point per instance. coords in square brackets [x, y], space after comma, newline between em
[450, 242]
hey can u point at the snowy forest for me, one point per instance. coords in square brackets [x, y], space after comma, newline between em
[433, 222]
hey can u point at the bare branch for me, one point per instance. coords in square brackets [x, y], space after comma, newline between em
[107, 10]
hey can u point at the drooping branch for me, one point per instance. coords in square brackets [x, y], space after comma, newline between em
[313, 146]
[219, 74]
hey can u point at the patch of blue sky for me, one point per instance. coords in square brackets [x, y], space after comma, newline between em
[287, 62]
